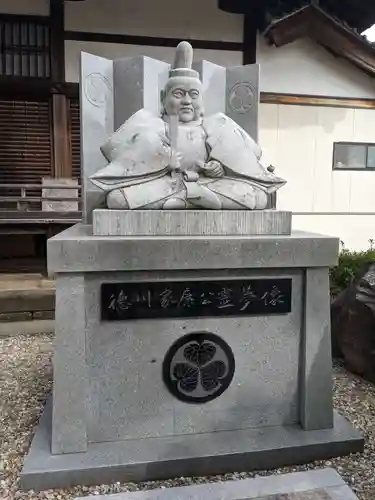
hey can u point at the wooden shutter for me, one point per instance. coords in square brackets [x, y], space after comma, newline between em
[25, 140]
[75, 138]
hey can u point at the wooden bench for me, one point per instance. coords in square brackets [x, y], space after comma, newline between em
[32, 213]
[52, 201]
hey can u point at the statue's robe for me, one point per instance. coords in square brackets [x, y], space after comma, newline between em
[139, 154]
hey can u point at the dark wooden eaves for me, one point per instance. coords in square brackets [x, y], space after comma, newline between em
[327, 31]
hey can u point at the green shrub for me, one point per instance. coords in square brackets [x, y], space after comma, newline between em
[349, 265]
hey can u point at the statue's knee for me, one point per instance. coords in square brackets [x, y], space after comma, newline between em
[261, 200]
[174, 204]
[116, 200]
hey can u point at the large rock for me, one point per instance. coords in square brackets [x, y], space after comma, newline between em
[353, 324]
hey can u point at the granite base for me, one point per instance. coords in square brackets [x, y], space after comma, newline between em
[194, 455]
[191, 222]
[101, 395]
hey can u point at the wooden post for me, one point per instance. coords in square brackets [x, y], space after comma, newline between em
[250, 33]
[61, 144]
[57, 23]
[62, 163]
[253, 17]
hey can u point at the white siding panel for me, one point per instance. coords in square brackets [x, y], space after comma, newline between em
[325, 134]
[343, 130]
[354, 231]
[269, 133]
[341, 188]
[362, 192]
[363, 126]
[299, 141]
[296, 156]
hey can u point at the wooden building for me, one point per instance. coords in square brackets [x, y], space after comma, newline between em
[316, 116]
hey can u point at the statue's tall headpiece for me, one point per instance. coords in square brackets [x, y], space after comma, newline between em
[183, 61]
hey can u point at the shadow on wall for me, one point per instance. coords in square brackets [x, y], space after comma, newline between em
[293, 116]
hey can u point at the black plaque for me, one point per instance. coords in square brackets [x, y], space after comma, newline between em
[186, 299]
[198, 367]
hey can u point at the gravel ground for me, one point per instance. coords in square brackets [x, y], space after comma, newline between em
[26, 380]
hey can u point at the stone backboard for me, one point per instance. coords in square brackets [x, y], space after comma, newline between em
[97, 123]
[242, 97]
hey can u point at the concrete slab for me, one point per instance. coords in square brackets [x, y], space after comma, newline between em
[189, 455]
[34, 327]
[27, 300]
[11, 277]
[323, 484]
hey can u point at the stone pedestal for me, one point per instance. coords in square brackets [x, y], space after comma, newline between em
[115, 418]
[191, 222]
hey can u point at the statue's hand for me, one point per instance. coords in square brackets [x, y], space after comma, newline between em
[175, 161]
[213, 169]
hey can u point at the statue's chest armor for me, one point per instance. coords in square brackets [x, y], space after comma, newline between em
[191, 144]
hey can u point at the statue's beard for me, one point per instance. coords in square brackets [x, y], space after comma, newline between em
[186, 117]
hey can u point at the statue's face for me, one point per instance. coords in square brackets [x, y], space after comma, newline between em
[184, 98]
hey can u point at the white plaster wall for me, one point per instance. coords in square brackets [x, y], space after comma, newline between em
[303, 67]
[25, 7]
[114, 51]
[161, 18]
[298, 140]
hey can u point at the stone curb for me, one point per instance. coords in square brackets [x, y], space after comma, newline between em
[312, 485]
[34, 327]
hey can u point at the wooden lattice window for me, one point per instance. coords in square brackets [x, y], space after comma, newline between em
[25, 140]
[75, 138]
[24, 47]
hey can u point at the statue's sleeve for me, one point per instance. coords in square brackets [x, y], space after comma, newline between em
[139, 147]
[234, 148]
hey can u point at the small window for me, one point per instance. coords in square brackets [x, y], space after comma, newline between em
[353, 156]
[24, 46]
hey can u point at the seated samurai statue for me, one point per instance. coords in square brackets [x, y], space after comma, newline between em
[183, 159]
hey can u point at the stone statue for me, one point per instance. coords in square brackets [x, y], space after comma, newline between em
[183, 159]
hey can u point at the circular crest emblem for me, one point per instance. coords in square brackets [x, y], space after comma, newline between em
[96, 89]
[241, 97]
[198, 368]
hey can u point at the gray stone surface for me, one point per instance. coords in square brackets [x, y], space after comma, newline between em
[29, 300]
[341, 493]
[213, 78]
[137, 85]
[316, 363]
[97, 121]
[325, 481]
[191, 222]
[242, 87]
[69, 364]
[194, 455]
[77, 250]
[127, 396]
